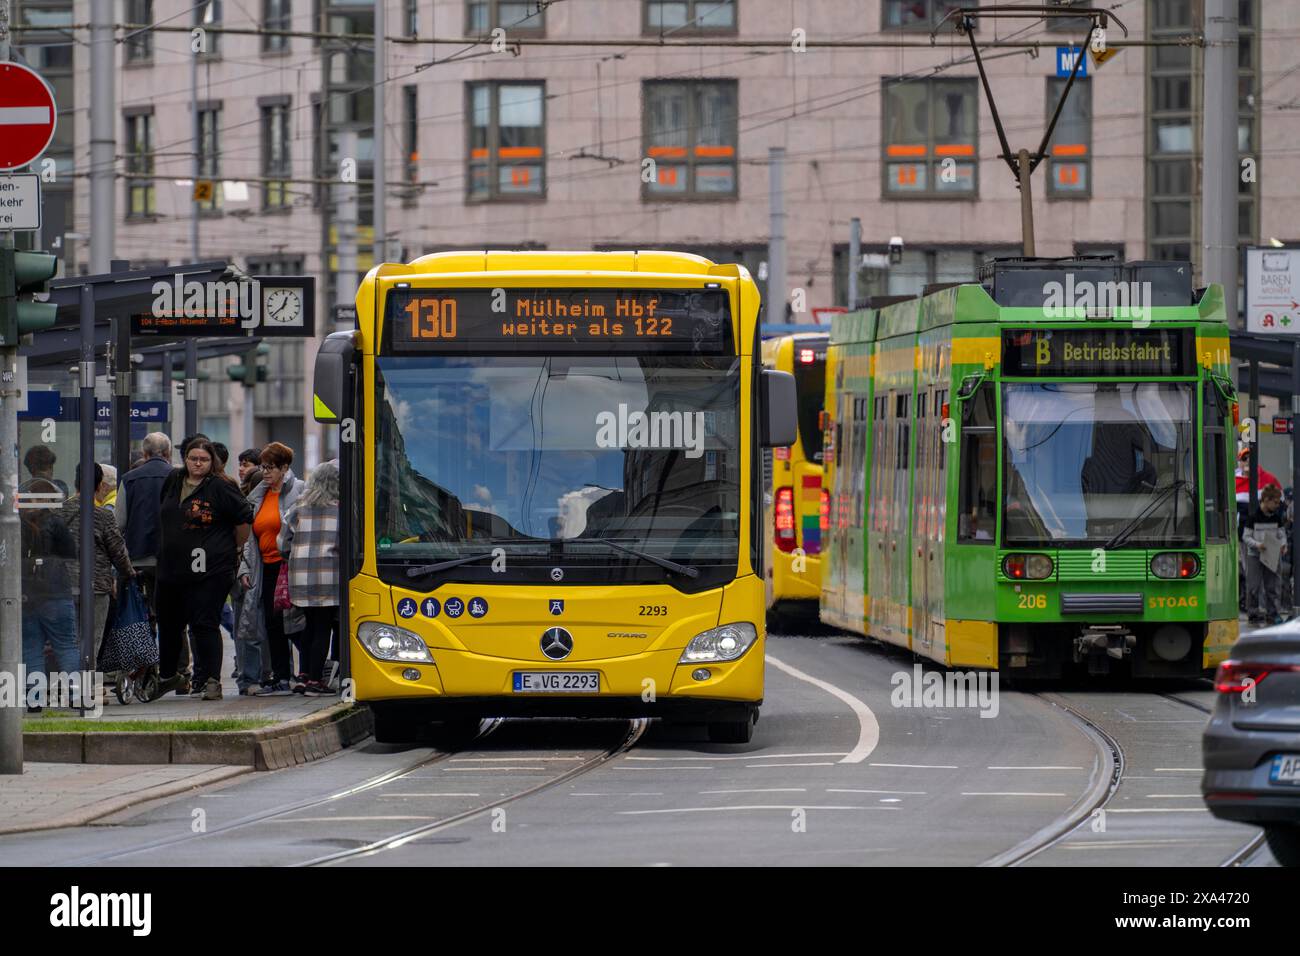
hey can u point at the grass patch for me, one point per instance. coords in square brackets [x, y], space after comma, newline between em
[79, 725]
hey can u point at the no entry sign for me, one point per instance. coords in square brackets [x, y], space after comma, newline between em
[27, 116]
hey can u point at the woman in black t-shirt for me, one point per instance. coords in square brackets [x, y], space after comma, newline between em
[203, 523]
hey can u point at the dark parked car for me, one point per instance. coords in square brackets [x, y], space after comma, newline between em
[1251, 746]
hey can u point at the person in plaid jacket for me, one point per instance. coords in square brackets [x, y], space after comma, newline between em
[309, 540]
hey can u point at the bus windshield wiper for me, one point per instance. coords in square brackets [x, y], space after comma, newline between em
[690, 572]
[422, 569]
[1159, 497]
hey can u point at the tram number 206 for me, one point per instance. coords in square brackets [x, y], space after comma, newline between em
[1033, 602]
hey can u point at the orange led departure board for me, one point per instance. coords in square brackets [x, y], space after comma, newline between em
[694, 321]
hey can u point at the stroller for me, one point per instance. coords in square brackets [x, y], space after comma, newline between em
[131, 651]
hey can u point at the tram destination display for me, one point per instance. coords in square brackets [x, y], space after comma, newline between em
[686, 321]
[1093, 352]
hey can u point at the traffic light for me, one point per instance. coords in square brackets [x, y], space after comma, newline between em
[249, 372]
[22, 275]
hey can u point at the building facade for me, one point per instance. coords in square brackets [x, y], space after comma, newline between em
[574, 126]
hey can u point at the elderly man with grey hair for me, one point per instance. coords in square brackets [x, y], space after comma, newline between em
[139, 494]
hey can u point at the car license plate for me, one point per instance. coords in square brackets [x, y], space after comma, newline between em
[1285, 769]
[557, 682]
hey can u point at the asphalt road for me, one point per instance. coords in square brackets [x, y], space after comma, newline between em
[836, 774]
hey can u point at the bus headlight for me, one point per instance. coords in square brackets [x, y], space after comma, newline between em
[725, 643]
[1027, 567]
[388, 642]
[1175, 564]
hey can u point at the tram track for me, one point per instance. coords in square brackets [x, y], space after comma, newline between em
[486, 729]
[636, 728]
[1098, 795]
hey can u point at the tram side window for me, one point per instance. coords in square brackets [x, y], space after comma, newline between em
[978, 477]
[1217, 495]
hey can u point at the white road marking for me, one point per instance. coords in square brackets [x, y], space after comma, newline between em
[1161, 810]
[508, 759]
[764, 790]
[757, 806]
[906, 793]
[629, 793]
[489, 769]
[349, 819]
[1011, 793]
[918, 766]
[838, 753]
[755, 766]
[398, 796]
[868, 726]
[696, 767]
[1178, 769]
[1035, 768]
[890, 800]
[1173, 796]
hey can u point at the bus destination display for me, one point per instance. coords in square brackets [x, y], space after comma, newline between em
[558, 320]
[1096, 352]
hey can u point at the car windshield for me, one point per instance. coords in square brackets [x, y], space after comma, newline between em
[539, 455]
[1086, 462]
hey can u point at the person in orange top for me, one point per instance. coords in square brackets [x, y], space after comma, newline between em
[260, 569]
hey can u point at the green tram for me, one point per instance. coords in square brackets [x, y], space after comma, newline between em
[1034, 471]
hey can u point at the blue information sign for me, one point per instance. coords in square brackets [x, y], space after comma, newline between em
[1065, 61]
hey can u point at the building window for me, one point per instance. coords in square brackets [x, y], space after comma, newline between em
[507, 137]
[139, 163]
[412, 18]
[411, 133]
[931, 136]
[139, 42]
[276, 15]
[1069, 174]
[918, 14]
[209, 15]
[210, 155]
[689, 16]
[1174, 124]
[691, 134]
[277, 162]
[917, 268]
[1080, 25]
[483, 16]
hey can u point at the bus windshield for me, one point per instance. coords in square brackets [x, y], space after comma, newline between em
[1087, 462]
[540, 455]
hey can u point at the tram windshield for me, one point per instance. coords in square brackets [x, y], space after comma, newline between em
[543, 457]
[1098, 462]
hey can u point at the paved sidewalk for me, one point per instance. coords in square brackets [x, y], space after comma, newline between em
[172, 707]
[51, 795]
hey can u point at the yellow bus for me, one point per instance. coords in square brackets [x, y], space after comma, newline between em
[800, 505]
[550, 470]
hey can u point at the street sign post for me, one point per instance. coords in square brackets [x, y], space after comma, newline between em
[20, 202]
[27, 116]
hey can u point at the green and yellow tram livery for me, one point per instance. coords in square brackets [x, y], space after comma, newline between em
[1033, 472]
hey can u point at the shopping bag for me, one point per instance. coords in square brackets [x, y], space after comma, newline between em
[281, 601]
[130, 643]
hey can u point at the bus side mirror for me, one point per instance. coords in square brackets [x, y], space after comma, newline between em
[331, 379]
[779, 407]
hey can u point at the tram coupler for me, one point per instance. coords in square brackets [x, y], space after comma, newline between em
[1099, 641]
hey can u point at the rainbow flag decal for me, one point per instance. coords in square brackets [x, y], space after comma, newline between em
[810, 522]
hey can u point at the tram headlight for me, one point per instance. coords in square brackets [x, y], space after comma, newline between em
[725, 643]
[1175, 565]
[1027, 567]
[387, 642]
